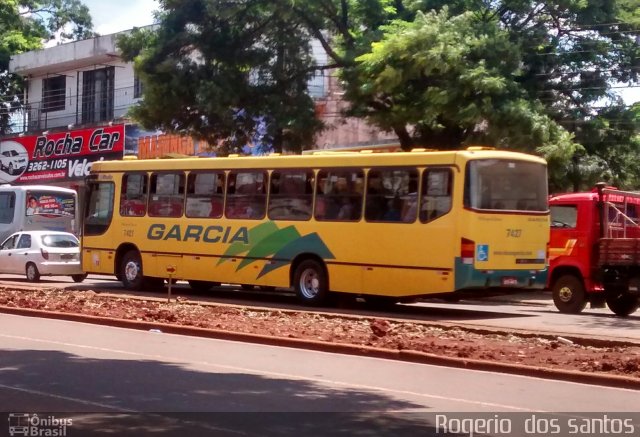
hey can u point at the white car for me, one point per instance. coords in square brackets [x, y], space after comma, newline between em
[40, 253]
[12, 162]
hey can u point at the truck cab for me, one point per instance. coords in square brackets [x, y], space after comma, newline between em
[580, 222]
[574, 235]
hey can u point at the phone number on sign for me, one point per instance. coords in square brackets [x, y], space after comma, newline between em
[56, 164]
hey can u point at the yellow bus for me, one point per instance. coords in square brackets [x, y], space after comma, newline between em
[384, 226]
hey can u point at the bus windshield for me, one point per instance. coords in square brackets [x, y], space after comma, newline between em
[508, 185]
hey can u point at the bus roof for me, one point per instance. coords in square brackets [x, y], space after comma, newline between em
[323, 159]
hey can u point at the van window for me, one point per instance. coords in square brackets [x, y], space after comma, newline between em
[7, 207]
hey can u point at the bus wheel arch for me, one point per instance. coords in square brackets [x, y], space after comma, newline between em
[569, 294]
[310, 279]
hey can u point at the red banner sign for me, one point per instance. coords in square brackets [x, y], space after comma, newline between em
[58, 156]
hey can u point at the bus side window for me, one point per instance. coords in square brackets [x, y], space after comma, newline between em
[339, 195]
[290, 195]
[205, 194]
[391, 195]
[246, 195]
[133, 197]
[437, 187]
[166, 196]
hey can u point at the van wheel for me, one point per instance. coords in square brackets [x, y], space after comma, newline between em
[620, 302]
[79, 278]
[569, 295]
[33, 275]
[131, 271]
[311, 283]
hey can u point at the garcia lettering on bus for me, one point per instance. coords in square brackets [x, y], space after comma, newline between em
[208, 234]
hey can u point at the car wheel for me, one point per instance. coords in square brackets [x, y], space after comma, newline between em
[131, 271]
[33, 275]
[79, 278]
[569, 295]
[311, 283]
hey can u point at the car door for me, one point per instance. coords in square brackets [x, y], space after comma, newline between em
[8, 262]
[23, 253]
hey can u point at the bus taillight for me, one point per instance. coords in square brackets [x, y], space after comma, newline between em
[467, 250]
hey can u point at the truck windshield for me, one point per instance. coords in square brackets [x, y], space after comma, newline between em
[503, 184]
[564, 216]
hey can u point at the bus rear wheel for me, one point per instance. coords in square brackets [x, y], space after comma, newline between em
[202, 286]
[311, 283]
[131, 271]
[569, 295]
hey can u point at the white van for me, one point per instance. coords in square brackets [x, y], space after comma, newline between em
[37, 207]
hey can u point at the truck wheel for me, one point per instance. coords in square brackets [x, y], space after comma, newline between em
[311, 283]
[568, 294]
[620, 302]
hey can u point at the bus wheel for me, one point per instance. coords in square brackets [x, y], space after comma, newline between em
[202, 286]
[568, 294]
[380, 302]
[620, 302]
[33, 275]
[310, 282]
[131, 271]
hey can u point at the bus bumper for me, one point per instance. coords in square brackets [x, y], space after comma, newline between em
[466, 276]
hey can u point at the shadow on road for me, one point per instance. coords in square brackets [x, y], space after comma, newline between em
[140, 397]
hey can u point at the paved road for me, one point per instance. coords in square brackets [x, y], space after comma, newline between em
[112, 375]
[528, 311]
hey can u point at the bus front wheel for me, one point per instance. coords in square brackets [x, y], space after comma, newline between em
[131, 271]
[311, 283]
[569, 295]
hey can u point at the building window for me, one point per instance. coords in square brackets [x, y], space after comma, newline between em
[137, 86]
[98, 95]
[53, 93]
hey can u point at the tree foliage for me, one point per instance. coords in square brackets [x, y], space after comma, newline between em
[534, 76]
[231, 72]
[26, 25]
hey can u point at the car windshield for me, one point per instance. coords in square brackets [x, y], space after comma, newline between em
[10, 153]
[59, 240]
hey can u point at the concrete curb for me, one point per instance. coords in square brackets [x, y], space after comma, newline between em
[401, 355]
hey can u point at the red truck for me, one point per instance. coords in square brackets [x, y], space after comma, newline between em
[594, 250]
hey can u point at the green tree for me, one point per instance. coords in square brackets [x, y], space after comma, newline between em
[569, 56]
[26, 25]
[227, 71]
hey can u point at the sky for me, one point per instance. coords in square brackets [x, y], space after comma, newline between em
[111, 16]
[116, 15]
